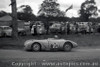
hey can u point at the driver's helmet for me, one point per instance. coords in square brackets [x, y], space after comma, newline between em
[56, 37]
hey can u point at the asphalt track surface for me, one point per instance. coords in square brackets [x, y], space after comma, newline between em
[45, 55]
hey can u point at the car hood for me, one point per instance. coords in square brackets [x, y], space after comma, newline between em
[44, 39]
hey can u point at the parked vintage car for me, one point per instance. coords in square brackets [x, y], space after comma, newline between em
[1, 32]
[57, 28]
[49, 44]
[7, 31]
[21, 31]
[85, 27]
[38, 29]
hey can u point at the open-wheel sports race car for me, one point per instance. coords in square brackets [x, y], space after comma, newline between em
[49, 44]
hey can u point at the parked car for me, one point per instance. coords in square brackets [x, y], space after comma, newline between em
[85, 27]
[1, 32]
[49, 44]
[7, 31]
[21, 31]
[38, 29]
[57, 28]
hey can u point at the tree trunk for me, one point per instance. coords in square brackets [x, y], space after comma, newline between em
[14, 20]
[47, 24]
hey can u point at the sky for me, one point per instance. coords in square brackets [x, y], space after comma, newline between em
[35, 4]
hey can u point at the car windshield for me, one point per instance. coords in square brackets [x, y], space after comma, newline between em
[57, 25]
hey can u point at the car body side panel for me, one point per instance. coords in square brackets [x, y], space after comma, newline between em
[43, 43]
[48, 44]
[8, 32]
[56, 43]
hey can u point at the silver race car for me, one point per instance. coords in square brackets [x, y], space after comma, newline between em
[49, 44]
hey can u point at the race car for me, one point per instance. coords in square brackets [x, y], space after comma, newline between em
[49, 44]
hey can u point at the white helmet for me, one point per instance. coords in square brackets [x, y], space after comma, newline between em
[56, 36]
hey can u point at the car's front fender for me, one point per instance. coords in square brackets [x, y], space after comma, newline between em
[74, 44]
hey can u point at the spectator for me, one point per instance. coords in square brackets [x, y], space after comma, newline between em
[68, 28]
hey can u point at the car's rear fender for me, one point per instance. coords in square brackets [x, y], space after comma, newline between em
[34, 43]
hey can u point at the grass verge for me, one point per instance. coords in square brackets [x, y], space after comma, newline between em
[82, 40]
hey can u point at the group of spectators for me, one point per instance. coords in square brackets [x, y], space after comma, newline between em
[75, 28]
[83, 27]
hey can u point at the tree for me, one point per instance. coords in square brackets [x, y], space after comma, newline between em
[25, 13]
[14, 20]
[49, 10]
[88, 9]
[2, 13]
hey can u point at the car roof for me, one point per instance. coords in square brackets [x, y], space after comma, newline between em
[4, 26]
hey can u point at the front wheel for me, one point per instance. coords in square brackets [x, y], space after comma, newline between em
[67, 47]
[36, 47]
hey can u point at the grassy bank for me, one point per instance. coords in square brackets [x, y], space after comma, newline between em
[82, 40]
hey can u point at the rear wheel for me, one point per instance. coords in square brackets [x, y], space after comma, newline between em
[22, 33]
[4, 35]
[67, 47]
[36, 47]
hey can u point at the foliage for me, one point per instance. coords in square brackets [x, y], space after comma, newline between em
[50, 8]
[25, 13]
[2, 13]
[88, 9]
[49, 11]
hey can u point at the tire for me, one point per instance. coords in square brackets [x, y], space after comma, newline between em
[67, 47]
[36, 47]
[4, 35]
[19, 33]
[33, 34]
[24, 34]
